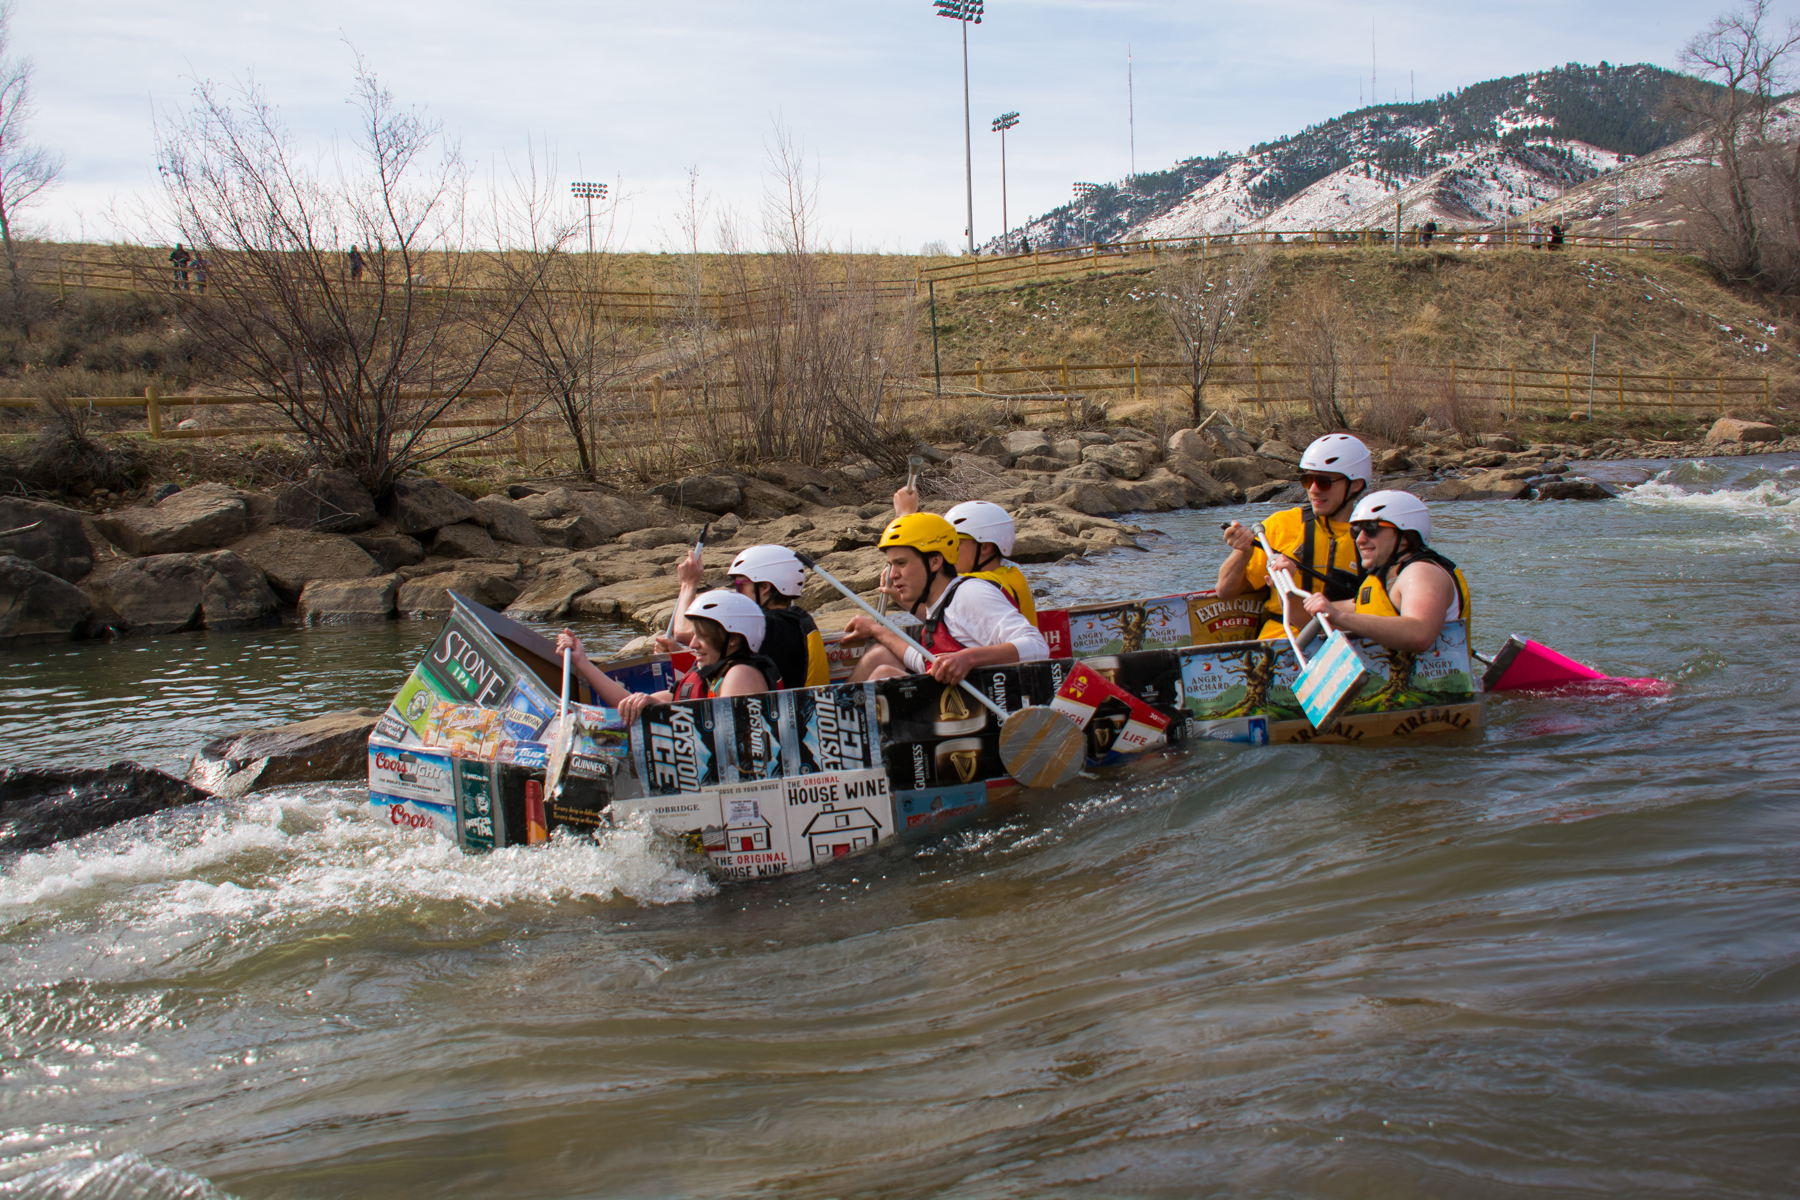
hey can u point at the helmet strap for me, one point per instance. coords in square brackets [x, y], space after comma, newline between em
[1352, 489]
[994, 555]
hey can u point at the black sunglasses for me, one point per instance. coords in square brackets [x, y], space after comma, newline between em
[1314, 479]
[1369, 528]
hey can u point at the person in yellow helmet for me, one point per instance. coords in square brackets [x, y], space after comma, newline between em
[986, 536]
[969, 622]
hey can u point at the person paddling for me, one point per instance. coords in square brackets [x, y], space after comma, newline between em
[774, 577]
[1410, 590]
[1313, 543]
[986, 535]
[726, 633]
[969, 623]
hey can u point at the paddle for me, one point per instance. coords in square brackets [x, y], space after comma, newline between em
[556, 760]
[1523, 664]
[1331, 680]
[1039, 746]
[699, 549]
[913, 463]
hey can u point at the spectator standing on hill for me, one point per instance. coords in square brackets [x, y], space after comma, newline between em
[356, 265]
[200, 272]
[1430, 231]
[1556, 238]
[1024, 244]
[179, 259]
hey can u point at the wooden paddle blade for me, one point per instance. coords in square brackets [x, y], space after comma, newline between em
[1331, 681]
[1041, 748]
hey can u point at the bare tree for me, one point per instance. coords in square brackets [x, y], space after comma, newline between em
[26, 170]
[1203, 298]
[361, 353]
[1746, 65]
[1320, 341]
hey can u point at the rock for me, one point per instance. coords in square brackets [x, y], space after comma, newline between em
[422, 505]
[1391, 461]
[793, 475]
[1087, 472]
[628, 597]
[1109, 539]
[329, 501]
[291, 558]
[1729, 429]
[1095, 499]
[670, 535]
[464, 540]
[1094, 437]
[551, 596]
[1571, 489]
[59, 543]
[1038, 462]
[1499, 441]
[615, 514]
[428, 596]
[578, 531]
[164, 593]
[391, 551]
[1190, 443]
[1265, 492]
[1069, 450]
[1578, 414]
[1201, 488]
[1122, 462]
[1125, 433]
[858, 570]
[195, 518]
[1244, 471]
[707, 493]
[1040, 541]
[40, 806]
[1484, 459]
[1030, 441]
[544, 506]
[1280, 451]
[508, 521]
[1489, 485]
[994, 447]
[929, 453]
[1159, 491]
[36, 606]
[763, 501]
[348, 601]
[332, 746]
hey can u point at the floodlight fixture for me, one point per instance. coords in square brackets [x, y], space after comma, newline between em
[1002, 123]
[589, 192]
[963, 12]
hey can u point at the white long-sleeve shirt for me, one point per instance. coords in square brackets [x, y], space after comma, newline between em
[981, 615]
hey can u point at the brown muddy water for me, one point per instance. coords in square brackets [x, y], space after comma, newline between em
[1560, 958]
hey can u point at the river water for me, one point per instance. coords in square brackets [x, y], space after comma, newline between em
[1560, 958]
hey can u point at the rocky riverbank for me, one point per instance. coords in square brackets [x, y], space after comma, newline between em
[322, 551]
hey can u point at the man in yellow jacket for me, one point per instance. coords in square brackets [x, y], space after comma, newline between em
[1312, 542]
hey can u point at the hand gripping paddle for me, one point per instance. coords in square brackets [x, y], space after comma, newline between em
[1040, 747]
[1332, 678]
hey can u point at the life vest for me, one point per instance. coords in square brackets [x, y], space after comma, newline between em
[1011, 581]
[702, 682]
[793, 640]
[1315, 552]
[1372, 597]
[934, 636]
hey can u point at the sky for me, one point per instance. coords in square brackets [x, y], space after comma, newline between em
[646, 96]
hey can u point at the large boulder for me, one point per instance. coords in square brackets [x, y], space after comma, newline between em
[392, 551]
[195, 518]
[615, 513]
[858, 570]
[1190, 443]
[764, 501]
[464, 540]
[1279, 451]
[36, 606]
[51, 538]
[164, 593]
[1095, 499]
[348, 601]
[332, 746]
[627, 598]
[1200, 487]
[428, 597]
[1040, 541]
[1729, 429]
[1122, 462]
[1030, 441]
[328, 501]
[577, 531]
[507, 521]
[40, 806]
[421, 505]
[552, 596]
[1504, 484]
[1159, 491]
[707, 493]
[291, 558]
[1571, 489]
[1245, 471]
[669, 535]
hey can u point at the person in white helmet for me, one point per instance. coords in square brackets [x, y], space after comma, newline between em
[774, 577]
[1312, 542]
[1409, 590]
[985, 536]
[725, 634]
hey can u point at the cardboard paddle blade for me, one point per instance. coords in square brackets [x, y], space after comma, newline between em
[1331, 680]
[1523, 664]
[1041, 747]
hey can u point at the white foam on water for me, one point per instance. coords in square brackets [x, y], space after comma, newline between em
[276, 856]
[1770, 496]
[126, 1177]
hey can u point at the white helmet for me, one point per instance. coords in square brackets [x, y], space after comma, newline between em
[985, 522]
[771, 564]
[738, 614]
[1339, 454]
[1401, 509]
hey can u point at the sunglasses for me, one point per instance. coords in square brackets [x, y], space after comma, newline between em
[1323, 482]
[1370, 529]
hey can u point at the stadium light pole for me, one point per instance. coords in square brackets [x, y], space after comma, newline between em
[1002, 123]
[1083, 193]
[962, 12]
[589, 192]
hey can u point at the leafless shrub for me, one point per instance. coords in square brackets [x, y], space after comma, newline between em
[1203, 298]
[26, 170]
[1451, 405]
[1394, 406]
[1321, 340]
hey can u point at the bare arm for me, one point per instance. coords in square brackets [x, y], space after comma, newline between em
[1422, 594]
[610, 690]
[1242, 542]
[690, 572]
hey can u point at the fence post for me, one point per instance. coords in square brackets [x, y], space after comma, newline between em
[1512, 389]
[1257, 363]
[153, 409]
[980, 379]
[1721, 396]
[1765, 392]
[1621, 389]
[1065, 373]
[1568, 393]
[1137, 390]
[656, 397]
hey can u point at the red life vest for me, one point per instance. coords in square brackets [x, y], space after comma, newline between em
[933, 635]
[698, 683]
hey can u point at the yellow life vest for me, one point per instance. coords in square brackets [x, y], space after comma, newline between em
[1372, 597]
[1331, 546]
[1009, 579]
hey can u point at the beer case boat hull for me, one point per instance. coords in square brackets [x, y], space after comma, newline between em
[783, 781]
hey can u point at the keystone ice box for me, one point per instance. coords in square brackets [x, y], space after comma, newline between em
[779, 782]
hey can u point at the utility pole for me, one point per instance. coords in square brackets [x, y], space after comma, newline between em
[1002, 123]
[1131, 108]
[962, 12]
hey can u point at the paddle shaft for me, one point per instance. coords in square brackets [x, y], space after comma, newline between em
[808, 561]
[1284, 585]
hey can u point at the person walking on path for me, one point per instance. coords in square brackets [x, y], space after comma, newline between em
[179, 259]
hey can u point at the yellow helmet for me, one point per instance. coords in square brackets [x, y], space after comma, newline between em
[927, 533]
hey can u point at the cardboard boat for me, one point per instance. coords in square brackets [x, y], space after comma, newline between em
[779, 782]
